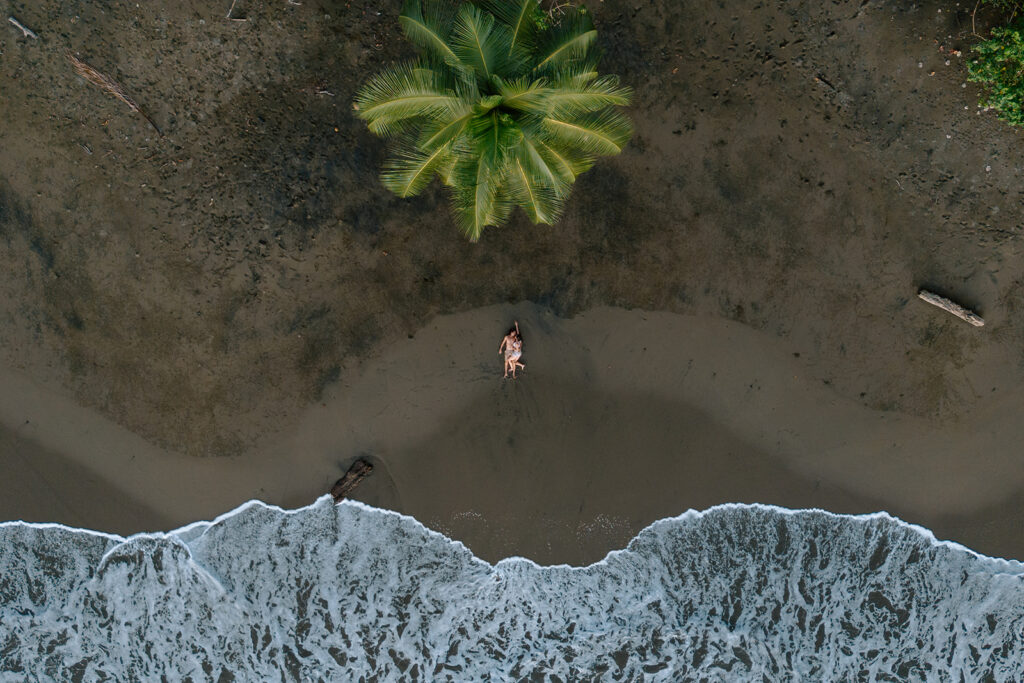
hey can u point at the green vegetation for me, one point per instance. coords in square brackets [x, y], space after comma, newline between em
[503, 104]
[1005, 5]
[998, 65]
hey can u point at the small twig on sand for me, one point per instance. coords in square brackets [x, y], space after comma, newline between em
[110, 85]
[950, 307]
[558, 7]
[28, 33]
[230, 10]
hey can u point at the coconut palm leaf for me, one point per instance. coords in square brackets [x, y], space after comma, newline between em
[564, 161]
[524, 94]
[479, 41]
[572, 97]
[566, 42]
[476, 182]
[445, 168]
[407, 173]
[493, 134]
[530, 190]
[531, 154]
[400, 93]
[444, 131]
[520, 16]
[428, 25]
[507, 110]
[503, 204]
[480, 202]
[578, 73]
[595, 133]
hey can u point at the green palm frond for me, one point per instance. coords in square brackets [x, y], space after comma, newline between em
[531, 191]
[503, 203]
[564, 161]
[505, 108]
[572, 97]
[520, 16]
[493, 135]
[475, 180]
[479, 41]
[577, 73]
[531, 153]
[444, 131]
[445, 168]
[479, 178]
[410, 170]
[428, 24]
[567, 42]
[402, 92]
[600, 133]
[524, 94]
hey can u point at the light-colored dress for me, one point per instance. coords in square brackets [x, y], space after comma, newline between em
[513, 350]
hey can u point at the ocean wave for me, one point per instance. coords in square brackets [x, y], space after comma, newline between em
[738, 592]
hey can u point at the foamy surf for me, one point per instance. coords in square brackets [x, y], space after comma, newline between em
[329, 592]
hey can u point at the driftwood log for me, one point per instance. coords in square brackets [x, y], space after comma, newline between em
[343, 487]
[28, 33]
[956, 309]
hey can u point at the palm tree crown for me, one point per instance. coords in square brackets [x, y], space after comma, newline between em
[506, 108]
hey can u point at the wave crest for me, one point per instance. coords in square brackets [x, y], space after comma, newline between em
[333, 592]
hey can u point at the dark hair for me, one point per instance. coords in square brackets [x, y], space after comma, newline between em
[513, 330]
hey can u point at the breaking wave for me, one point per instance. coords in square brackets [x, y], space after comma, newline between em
[341, 592]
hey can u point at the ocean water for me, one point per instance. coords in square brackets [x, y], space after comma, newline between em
[350, 592]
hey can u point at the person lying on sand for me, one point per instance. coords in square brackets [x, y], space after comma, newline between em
[512, 346]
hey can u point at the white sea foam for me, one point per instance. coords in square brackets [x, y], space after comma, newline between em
[341, 592]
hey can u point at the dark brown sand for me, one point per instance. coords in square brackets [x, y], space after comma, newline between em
[620, 418]
[244, 289]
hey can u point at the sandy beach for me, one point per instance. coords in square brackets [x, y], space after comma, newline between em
[621, 418]
[726, 311]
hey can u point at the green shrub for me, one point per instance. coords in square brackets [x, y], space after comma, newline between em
[998, 65]
[1006, 5]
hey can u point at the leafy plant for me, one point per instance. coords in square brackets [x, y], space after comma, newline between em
[1006, 5]
[504, 106]
[999, 66]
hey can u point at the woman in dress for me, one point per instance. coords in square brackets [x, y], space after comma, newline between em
[512, 347]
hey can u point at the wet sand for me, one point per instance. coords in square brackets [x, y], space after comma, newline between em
[621, 417]
[243, 287]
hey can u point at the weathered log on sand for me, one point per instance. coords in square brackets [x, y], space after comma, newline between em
[956, 309]
[343, 487]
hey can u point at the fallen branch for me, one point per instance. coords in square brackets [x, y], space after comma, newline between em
[110, 85]
[950, 307]
[343, 487]
[28, 33]
[230, 10]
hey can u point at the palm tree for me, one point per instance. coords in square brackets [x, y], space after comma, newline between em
[504, 106]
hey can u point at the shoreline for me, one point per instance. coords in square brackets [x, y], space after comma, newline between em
[621, 418]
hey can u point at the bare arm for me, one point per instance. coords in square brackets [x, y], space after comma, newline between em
[503, 343]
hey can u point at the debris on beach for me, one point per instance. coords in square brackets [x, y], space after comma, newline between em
[25, 31]
[110, 85]
[954, 308]
[359, 470]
